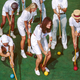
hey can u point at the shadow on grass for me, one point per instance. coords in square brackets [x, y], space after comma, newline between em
[36, 19]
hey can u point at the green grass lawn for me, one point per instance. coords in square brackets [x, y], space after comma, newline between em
[61, 67]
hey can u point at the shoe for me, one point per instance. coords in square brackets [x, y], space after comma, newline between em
[1, 31]
[13, 36]
[73, 59]
[47, 69]
[23, 55]
[3, 58]
[37, 72]
[17, 13]
[53, 46]
[64, 46]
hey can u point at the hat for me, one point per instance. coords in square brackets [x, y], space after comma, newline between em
[14, 6]
[76, 14]
[4, 38]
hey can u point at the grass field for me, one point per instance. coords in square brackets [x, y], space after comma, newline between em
[61, 67]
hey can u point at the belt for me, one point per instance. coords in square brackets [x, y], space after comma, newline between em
[62, 13]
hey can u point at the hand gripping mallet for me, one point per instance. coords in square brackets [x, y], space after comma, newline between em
[13, 69]
[42, 65]
[29, 44]
[59, 26]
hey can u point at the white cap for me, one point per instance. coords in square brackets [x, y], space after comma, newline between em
[4, 39]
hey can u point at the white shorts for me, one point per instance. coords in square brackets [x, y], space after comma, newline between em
[21, 28]
[35, 45]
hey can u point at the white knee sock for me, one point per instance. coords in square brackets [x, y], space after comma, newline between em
[77, 53]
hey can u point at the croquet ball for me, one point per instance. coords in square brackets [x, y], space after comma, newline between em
[58, 53]
[45, 73]
[75, 68]
[35, 56]
[12, 76]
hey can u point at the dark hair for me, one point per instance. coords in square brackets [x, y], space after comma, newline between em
[14, 6]
[44, 24]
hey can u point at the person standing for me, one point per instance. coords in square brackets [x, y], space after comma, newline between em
[59, 7]
[8, 9]
[24, 26]
[74, 22]
[39, 42]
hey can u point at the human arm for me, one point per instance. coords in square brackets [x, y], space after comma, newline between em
[12, 56]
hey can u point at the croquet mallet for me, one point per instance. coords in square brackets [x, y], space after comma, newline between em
[29, 44]
[13, 69]
[42, 65]
[59, 25]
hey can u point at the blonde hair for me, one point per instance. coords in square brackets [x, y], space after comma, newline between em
[33, 5]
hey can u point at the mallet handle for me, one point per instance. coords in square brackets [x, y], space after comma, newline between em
[13, 69]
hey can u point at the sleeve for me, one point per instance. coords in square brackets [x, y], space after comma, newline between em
[71, 21]
[53, 4]
[10, 42]
[65, 4]
[38, 33]
[50, 34]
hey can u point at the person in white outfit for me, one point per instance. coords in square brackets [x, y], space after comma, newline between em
[41, 6]
[8, 9]
[23, 25]
[74, 22]
[6, 48]
[59, 6]
[23, 5]
[39, 42]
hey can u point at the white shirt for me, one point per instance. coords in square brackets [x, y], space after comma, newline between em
[73, 23]
[26, 16]
[55, 3]
[39, 34]
[7, 5]
[62, 3]
[10, 42]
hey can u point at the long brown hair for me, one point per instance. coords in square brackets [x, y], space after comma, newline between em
[32, 5]
[44, 24]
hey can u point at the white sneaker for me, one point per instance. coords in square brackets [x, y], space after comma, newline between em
[64, 46]
[3, 58]
[13, 36]
[23, 55]
[47, 69]
[73, 59]
[37, 72]
[1, 31]
[53, 46]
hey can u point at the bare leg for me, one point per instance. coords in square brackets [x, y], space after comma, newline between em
[47, 58]
[38, 61]
[23, 42]
[3, 21]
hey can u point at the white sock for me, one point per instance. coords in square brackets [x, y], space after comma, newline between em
[77, 54]
[22, 51]
[29, 47]
[12, 32]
